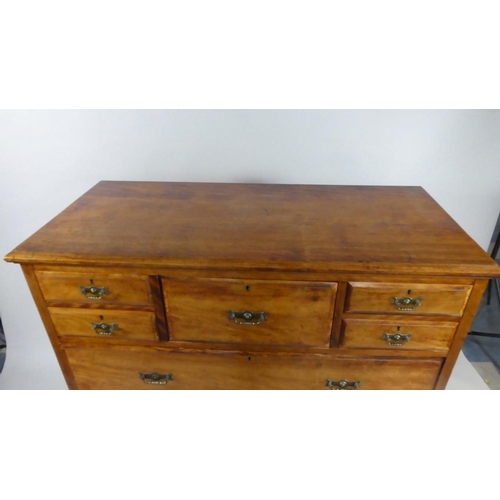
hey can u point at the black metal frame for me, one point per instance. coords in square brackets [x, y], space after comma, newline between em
[494, 253]
[3, 343]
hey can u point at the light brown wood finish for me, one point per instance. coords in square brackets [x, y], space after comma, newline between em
[298, 313]
[269, 274]
[70, 342]
[38, 297]
[395, 230]
[449, 300]
[124, 289]
[130, 324]
[118, 369]
[368, 332]
[315, 257]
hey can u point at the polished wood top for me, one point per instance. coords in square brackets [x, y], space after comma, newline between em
[367, 229]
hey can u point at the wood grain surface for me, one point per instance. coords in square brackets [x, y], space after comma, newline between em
[449, 300]
[368, 333]
[119, 369]
[129, 324]
[238, 226]
[323, 263]
[63, 286]
[297, 313]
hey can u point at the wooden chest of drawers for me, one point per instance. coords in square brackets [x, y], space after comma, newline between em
[243, 286]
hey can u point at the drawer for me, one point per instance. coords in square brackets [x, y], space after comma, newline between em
[292, 313]
[107, 323]
[407, 298]
[115, 368]
[113, 288]
[374, 333]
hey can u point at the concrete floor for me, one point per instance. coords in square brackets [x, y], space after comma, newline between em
[484, 352]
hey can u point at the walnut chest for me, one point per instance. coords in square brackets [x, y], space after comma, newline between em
[156, 285]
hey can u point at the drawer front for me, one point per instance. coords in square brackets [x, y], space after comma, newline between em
[92, 288]
[373, 333]
[277, 312]
[407, 298]
[120, 369]
[97, 323]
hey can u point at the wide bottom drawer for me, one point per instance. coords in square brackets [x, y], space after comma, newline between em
[142, 368]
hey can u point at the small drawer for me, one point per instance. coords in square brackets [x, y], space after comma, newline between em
[92, 288]
[291, 313]
[374, 333]
[145, 368]
[407, 298]
[100, 323]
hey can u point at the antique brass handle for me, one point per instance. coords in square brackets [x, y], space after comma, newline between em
[396, 339]
[248, 317]
[407, 303]
[340, 385]
[104, 328]
[94, 292]
[155, 378]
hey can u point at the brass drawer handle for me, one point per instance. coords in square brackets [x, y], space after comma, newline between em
[248, 317]
[396, 339]
[340, 385]
[155, 378]
[407, 303]
[94, 292]
[104, 328]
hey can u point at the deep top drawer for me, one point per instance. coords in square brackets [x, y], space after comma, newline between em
[250, 311]
[407, 298]
[95, 288]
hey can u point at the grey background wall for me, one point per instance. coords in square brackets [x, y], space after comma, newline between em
[49, 158]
